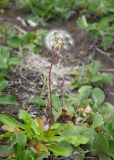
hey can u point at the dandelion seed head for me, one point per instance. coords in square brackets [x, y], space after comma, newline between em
[57, 40]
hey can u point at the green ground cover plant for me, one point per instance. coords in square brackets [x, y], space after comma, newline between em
[89, 122]
[48, 9]
[95, 17]
[30, 140]
[7, 62]
[103, 29]
[92, 116]
[90, 75]
[25, 42]
[88, 110]
[28, 41]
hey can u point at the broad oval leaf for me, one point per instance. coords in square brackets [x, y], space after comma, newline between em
[61, 151]
[98, 120]
[76, 140]
[85, 91]
[100, 144]
[98, 96]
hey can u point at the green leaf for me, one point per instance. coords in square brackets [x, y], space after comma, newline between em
[96, 78]
[7, 99]
[61, 151]
[30, 125]
[80, 154]
[107, 111]
[4, 55]
[107, 78]
[4, 74]
[41, 156]
[71, 129]
[110, 126]
[76, 140]
[98, 96]
[24, 115]
[55, 126]
[104, 157]
[43, 148]
[64, 144]
[57, 106]
[27, 37]
[9, 121]
[96, 66]
[5, 135]
[89, 133]
[14, 42]
[26, 154]
[106, 42]
[85, 91]
[39, 101]
[111, 148]
[98, 120]
[6, 150]
[21, 139]
[100, 144]
[15, 61]
[82, 22]
[3, 84]
[56, 102]
[42, 32]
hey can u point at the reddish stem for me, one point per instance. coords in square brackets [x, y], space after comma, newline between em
[50, 94]
[49, 85]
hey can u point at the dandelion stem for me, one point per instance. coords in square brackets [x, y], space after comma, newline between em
[49, 90]
[49, 85]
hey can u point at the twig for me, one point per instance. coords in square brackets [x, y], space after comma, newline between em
[93, 44]
[19, 29]
[91, 56]
[91, 158]
[103, 52]
[107, 70]
[111, 93]
[28, 89]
